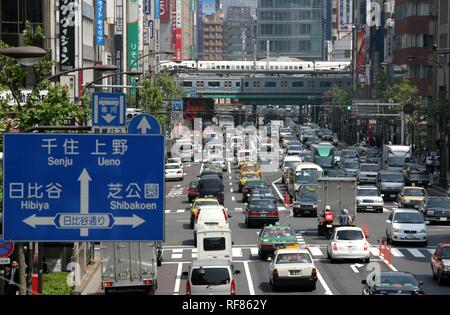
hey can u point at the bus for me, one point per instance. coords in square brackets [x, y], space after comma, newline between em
[323, 155]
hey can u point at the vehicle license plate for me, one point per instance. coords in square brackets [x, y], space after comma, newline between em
[295, 272]
[443, 219]
[329, 226]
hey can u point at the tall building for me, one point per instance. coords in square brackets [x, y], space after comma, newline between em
[212, 37]
[292, 28]
[337, 33]
[239, 34]
[252, 4]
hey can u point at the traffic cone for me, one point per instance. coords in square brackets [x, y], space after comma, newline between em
[286, 199]
[380, 248]
[385, 249]
[390, 255]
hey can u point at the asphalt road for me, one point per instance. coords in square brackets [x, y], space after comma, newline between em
[334, 279]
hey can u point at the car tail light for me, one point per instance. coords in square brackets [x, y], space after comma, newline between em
[366, 246]
[198, 214]
[314, 273]
[225, 214]
[275, 274]
[245, 190]
[188, 288]
[334, 246]
[107, 284]
[273, 214]
[252, 214]
[233, 288]
[148, 282]
[179, 172]
[266, 246]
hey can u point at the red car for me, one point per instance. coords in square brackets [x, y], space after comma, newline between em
[193, 191]
[440, 263]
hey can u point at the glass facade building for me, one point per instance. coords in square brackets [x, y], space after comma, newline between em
[294, 28]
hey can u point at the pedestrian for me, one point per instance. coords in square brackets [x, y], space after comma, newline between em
[12, 279]
[437, 164]
[429, 163]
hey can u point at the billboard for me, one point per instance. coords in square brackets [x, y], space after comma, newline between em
[198, 107]
[133, 35]
[100, 22]
[209, 7]
[164, 11]
[345, 15]
[67, 15]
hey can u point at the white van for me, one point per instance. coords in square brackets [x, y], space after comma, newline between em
[210, 217]
[213, 152]
[289, 161]
[214, 243]
[305, 173]
[185, 149]
[246, 156]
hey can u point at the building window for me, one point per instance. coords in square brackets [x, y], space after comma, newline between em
[412, 9]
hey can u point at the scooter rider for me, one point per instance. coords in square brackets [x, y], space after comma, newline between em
[328, 215]
[344, 218]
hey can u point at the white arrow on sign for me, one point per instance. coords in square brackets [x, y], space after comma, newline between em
[84, 180]
[135, 221]
[109, 118]
[33, 221]
[355, 267]
[144, 125]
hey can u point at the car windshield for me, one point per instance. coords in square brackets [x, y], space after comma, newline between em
[324, 161]
[202, 203]
[263, 205]
[173, 161]
[446, 252]
[213, 183]
[413, 192]
[294, 148]
[256, 184]
[369, 168]
[288, 164]
[350, 154]
[337, 173]
[309, 195]
[293, 258]
[398, 282]
[397, 178]
[373, 153]
[307, 176]
[250, 175]
[172, 167]
[367, 192]
[278, 233]
[396, 161]
[193, 185]
[351, 164]
[210, 276]
[408, 217]
[349, 235]
[439, 202]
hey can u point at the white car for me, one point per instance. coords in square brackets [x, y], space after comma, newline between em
[368, 198]
[348, 243]
[177, 161]
[292, 267]
[406, 225]
[173, 171]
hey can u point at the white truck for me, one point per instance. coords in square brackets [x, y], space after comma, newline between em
[338, 193]
[129, 266]
[395, 156]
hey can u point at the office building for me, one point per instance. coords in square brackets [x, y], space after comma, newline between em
[239, 34]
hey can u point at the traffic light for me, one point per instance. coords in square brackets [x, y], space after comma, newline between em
[349, 108]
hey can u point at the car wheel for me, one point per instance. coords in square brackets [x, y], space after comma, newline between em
[263, 256]
[440, 279]
[424, 244]
[388, 239]
[366, 260]
[158, 262]
[380, 211]
[433, 273]
[192, 223]
[312, 287]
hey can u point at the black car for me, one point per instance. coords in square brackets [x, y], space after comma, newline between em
[392, 283]
[212, 171]
[336, 173]
[306, 201]
[211, 186]
[193, 191]
[250, 185]
[436, 209]
[262, 194]
[261, 212]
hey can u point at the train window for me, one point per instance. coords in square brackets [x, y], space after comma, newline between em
[325, 84]
[247, 67]
[297, 84]
[284, 84]
[262, 67]
[223, 67]
[296, 67]
[246, 84]
[228, 67]
[276, 67]
[271, 67]
[213, 83]
[270, 84]
[238, 84]
[187, 83]
[311, 84]
[290, 67]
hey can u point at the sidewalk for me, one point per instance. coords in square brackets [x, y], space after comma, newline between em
[90, 283]
[438, 190]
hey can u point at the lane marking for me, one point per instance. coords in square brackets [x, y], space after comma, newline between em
[176, 290]
[231, 190]
[281, 208]
[238, 209]
[194, 252]
[315, 251]
[323, 283]
[431, 250]
[231, 184]
[229, 169]
[276, 189]
[415, 252]
[230, 177]
[232, 198]
[254, 251]
[177, 253]
[181, 210]
[375, 251]
[201, 169]
[396, 253]
[166, 211]
[237, 252]
[249, 279]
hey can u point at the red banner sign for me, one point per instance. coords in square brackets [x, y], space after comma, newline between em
[164, 11]
[178, 44]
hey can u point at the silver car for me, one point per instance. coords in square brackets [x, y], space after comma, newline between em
[367, 173]
[211, 277]
[406, 225]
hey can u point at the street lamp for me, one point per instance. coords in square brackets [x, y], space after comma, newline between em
[26, 55]
[151, 54]
[130, 73]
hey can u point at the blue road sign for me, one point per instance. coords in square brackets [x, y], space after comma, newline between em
[108, 109]
[144, 124]
[177, 105]
[83, 187]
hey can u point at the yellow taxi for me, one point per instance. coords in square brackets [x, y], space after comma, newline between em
[243, 177]
[246, 163]
[200, 202]
[411, 197]
[253, 167]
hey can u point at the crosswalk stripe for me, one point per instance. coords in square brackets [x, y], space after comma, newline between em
[254, 251]
[281, 208]
[415, 252]
[237, 252]
[396, 253]
[177, 253]
[315, 251]
[238, 209]
[374, 251]
[431, 250]
[166, 211]
[180, 210]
